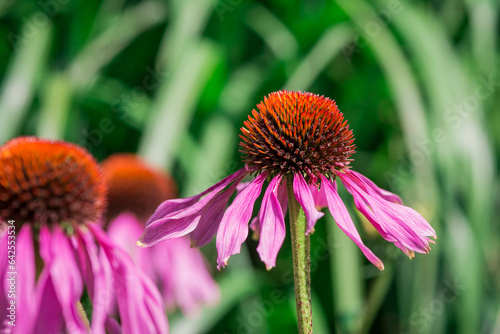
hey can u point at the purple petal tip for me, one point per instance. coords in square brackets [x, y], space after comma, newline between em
[380, 266]
[141, 244]
[309, 232]
[222, 264]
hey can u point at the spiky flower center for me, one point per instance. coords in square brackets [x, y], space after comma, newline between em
[49, 182]
[297, 132]
[134, 186]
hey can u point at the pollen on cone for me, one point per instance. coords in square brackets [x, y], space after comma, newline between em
[49, 182]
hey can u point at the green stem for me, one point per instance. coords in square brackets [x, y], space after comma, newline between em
[301, 262]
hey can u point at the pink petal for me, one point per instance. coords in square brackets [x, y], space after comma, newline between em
[344, 221]
[25, 279]
[62, 268]
[368, 213]
[387, 195]
[283, 197]
[124, 230]
[99, 281]
[211, 216]
[67, 280]
[174, 205]
[139, 302]
[396, 223]
[233, 229]
[181, 222]
[179, 269]
[169, 228]
[50, 315]
[272, 223]
[414, 219]
[112, 326]
[121, 227]
[184, 276]
[304, 197]
[17, 245]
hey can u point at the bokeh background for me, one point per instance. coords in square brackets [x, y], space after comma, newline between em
[174, 81]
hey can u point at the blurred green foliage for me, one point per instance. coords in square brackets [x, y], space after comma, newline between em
[173, 81]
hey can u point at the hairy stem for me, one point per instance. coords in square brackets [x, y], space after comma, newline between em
[301, 262]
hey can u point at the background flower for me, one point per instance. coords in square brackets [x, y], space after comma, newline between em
[134, 191]
[51, 195]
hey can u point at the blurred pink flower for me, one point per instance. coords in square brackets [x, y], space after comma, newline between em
[180, 272]
[301, 137]
[50, 195]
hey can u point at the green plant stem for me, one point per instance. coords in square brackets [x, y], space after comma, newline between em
[301, 262]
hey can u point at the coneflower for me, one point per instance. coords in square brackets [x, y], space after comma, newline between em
[301, 144]
[134, 191]
[51, 195]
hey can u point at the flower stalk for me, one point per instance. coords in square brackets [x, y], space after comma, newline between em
[301, 262]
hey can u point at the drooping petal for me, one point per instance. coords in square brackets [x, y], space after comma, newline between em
[124, 230]
[400, 224]
[174, 205]
[344, 221]
[51, 317]
[415, 219]
[387, 195]
[62, 275]
[112, 326]
[283, 197]
[211, 216]
[139, 302]
[98, 279]
[68, 281]
[165, 229]
[184, 277]
[233, 228]
[368, 213]
[179, 270]
[272, 223]
[304, 197]
[17, 275]
[25, 279]
[181, 222]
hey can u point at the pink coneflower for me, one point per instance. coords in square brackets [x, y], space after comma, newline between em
[299, 143]
[302, 138]
[134, 192]
[51, 193]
